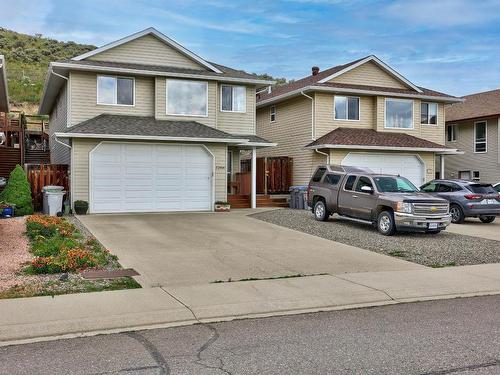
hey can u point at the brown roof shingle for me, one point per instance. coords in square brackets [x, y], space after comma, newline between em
[369, 137]
[482, 104]
[314, 80]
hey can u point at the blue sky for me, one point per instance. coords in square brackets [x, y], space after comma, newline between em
[447, 45]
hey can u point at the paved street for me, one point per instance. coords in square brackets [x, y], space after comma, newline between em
[460, 336]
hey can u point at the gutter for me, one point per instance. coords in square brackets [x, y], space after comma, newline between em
[153, 138]
[445, 99]
[159, 73]
[387, 148]
[324, 153]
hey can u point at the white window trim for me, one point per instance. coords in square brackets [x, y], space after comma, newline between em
[116, 91]
[347, 108]
[478, 178]
[232, 104]
[271, 113]
[185, 115]
[428, 117]
[485, 138]
[455, 127]
[412, 113]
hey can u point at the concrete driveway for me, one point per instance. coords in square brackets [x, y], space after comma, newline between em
[199, 248]
[474, 227]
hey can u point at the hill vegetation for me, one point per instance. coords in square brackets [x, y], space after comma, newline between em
[28, 58]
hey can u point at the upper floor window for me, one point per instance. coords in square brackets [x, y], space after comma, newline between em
[187, 98]
[428, 113]
[112, 90]
[399, 114]
[451, 133]
[346, 108]
[272, 113]
[480, 136]
[233, 98]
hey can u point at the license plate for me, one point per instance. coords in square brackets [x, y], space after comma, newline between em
[489, 201]
[433, 225]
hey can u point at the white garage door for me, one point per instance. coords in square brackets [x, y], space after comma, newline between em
[128, 177]
[408, 166]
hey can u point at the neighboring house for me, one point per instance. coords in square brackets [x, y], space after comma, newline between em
[473, 127]
[146, 125]
[362, 113]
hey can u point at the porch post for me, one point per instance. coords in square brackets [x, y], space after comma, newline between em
[254, 178]
[441, 173]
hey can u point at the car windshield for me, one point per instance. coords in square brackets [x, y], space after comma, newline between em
[390, 184]
[481, 188]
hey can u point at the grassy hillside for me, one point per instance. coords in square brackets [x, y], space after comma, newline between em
[28, 59]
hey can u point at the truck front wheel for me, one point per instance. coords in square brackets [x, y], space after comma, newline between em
[385, 223]
[320, 212]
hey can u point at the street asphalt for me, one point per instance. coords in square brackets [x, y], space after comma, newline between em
[460, 336]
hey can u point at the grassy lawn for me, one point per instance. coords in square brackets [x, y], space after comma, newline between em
[59, 252]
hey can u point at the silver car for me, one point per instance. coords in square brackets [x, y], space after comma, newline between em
[467, 199]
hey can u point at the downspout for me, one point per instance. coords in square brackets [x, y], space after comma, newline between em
[313, 135]
[325, 154]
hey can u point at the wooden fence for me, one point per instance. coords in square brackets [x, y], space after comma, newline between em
[274, 174]
[40, 175]
[9, 158]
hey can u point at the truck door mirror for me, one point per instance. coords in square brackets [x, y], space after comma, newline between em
[367, 189]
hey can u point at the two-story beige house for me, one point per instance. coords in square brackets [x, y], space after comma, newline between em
[148, 126]
[362, 113]
[474, 127]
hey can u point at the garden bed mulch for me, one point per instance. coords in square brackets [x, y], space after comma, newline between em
[17, 260]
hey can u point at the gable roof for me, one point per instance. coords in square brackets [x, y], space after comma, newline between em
[150, 31]
[320, 82]
[372, 139]
[377, 61]
[481, 104]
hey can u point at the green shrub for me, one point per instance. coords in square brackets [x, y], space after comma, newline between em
[42, 265]
[18, 192]
[53, 246]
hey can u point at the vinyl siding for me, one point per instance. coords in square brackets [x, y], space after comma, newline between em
[147, 50]
[80, 168]
[58, 119]
[292, 131]
[433, 133]
[161, 102]
[234, 122]
[369, 74]
[83, 94]
[325, 121]
[336, 157]
[488, 164]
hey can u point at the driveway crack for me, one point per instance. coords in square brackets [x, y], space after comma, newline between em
[366, 286]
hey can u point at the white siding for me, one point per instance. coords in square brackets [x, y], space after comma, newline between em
[58, 118]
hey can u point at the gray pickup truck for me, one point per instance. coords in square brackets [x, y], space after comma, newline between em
[391, 203]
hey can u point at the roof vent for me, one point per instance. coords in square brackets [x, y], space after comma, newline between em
[315, 70]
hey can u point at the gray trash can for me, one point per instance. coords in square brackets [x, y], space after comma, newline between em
[298, 197]
[52, 199]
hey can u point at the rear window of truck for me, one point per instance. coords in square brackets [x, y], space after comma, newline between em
[332, 179]
[318, 174]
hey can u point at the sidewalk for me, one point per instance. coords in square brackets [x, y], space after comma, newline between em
[47, 318]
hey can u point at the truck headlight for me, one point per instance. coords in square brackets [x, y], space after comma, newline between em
[404, 207]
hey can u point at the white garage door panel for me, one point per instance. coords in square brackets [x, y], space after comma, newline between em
[409, 166]
[141, 178]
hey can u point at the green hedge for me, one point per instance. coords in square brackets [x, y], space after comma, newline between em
[18, 192]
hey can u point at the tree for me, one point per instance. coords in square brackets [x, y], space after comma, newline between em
[18, 192]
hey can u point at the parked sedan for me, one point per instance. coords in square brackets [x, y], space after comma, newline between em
[467, 199]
